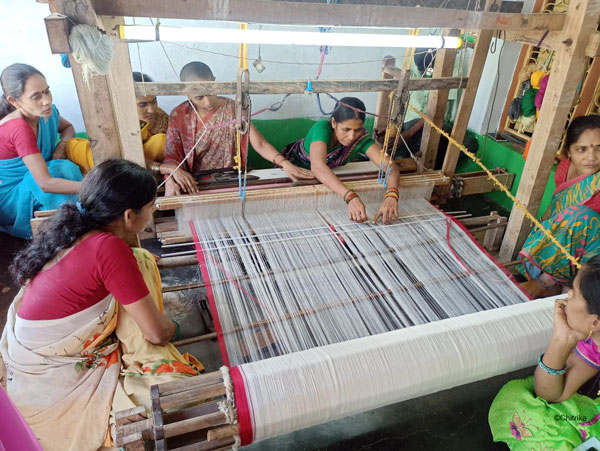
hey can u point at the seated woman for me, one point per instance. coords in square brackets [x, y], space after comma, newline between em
[573, 216]
[544, 411]
[340, 140]
[32, 175]
[217, 148]
[87, 331]
[153, 125]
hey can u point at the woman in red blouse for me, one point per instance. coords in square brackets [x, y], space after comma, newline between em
[87, 332]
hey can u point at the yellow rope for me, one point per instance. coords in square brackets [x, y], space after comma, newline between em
[502, 187]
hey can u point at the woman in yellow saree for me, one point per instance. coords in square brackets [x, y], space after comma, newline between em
[153, 128]
[86, 335]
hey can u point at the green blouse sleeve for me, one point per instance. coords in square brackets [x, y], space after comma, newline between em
[320, 131]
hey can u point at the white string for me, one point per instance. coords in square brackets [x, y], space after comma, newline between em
[286, 294]
[315, 386]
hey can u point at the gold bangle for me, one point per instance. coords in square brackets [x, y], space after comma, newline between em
[156, 167]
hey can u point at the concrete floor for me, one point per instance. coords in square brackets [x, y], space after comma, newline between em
[453, 419]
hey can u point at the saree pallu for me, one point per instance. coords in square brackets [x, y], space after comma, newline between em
[525, 422]
[20, 195]
[574, 221]
[67, 375]
[62, 374]
[336, 157]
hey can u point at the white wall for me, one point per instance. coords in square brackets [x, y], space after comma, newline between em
[23, 25]
[23, 39]
[503, 70]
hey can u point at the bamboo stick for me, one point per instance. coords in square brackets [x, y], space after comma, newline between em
[199, 338]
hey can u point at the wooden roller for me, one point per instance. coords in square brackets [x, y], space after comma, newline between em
[185, 416]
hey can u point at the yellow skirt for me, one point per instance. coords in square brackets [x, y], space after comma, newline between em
[80, 153]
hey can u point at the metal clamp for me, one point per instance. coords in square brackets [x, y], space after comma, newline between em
[242, 102]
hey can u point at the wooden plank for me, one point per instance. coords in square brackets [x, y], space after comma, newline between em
[593, 46]
[122, 95]
[383, 99]
[294, 86]
[181, 385]
[261, 11]
[130, 415]
[482, 184]
[468, 98]
[192, 412]
[509, 7]
[567, 69]
[178, 400]
[538, 38]
[493, 237]
[94, 96]
[437, 104]
[194, 424]
[230, 430]
[58, 28]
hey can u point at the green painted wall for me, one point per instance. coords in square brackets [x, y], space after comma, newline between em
[281, 132]
[504, 156]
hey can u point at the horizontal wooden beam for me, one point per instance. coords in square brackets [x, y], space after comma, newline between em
[537, 38]
[507, 7]
[294, 86]
[552, 40]
[276, 12]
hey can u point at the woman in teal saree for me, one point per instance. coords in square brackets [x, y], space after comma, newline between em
[31, 176]
[574, 214]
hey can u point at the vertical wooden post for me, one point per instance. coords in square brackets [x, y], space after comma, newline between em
[383, 99]
[437, 104]
[107, 102]
[468, 96]
[567, 70]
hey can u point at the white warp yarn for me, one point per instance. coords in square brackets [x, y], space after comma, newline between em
[311, 387]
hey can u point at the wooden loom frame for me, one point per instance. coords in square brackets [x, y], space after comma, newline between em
[114, 131]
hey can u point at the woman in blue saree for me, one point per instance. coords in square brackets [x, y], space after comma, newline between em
[32, 174]
[574, 214]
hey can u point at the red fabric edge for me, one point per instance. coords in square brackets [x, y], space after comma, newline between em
[209, 293]
[241, 404]
[482, 249]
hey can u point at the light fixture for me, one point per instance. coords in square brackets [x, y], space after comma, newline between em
[234, 36]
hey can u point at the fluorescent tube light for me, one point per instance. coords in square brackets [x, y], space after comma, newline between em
[234, 36]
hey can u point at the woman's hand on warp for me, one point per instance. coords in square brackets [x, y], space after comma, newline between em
[182, 182]
[156, 328]
[562, 330]
[295, 172]
[357, 211]
[388, 211]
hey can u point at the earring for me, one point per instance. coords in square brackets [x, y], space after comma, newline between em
[590, 334]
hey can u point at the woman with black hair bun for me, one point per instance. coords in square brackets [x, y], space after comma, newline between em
[573, 215]
[87, 330]
[338, 141]
[33, 172]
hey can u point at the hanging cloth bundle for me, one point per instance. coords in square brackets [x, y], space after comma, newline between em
[92, 49]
